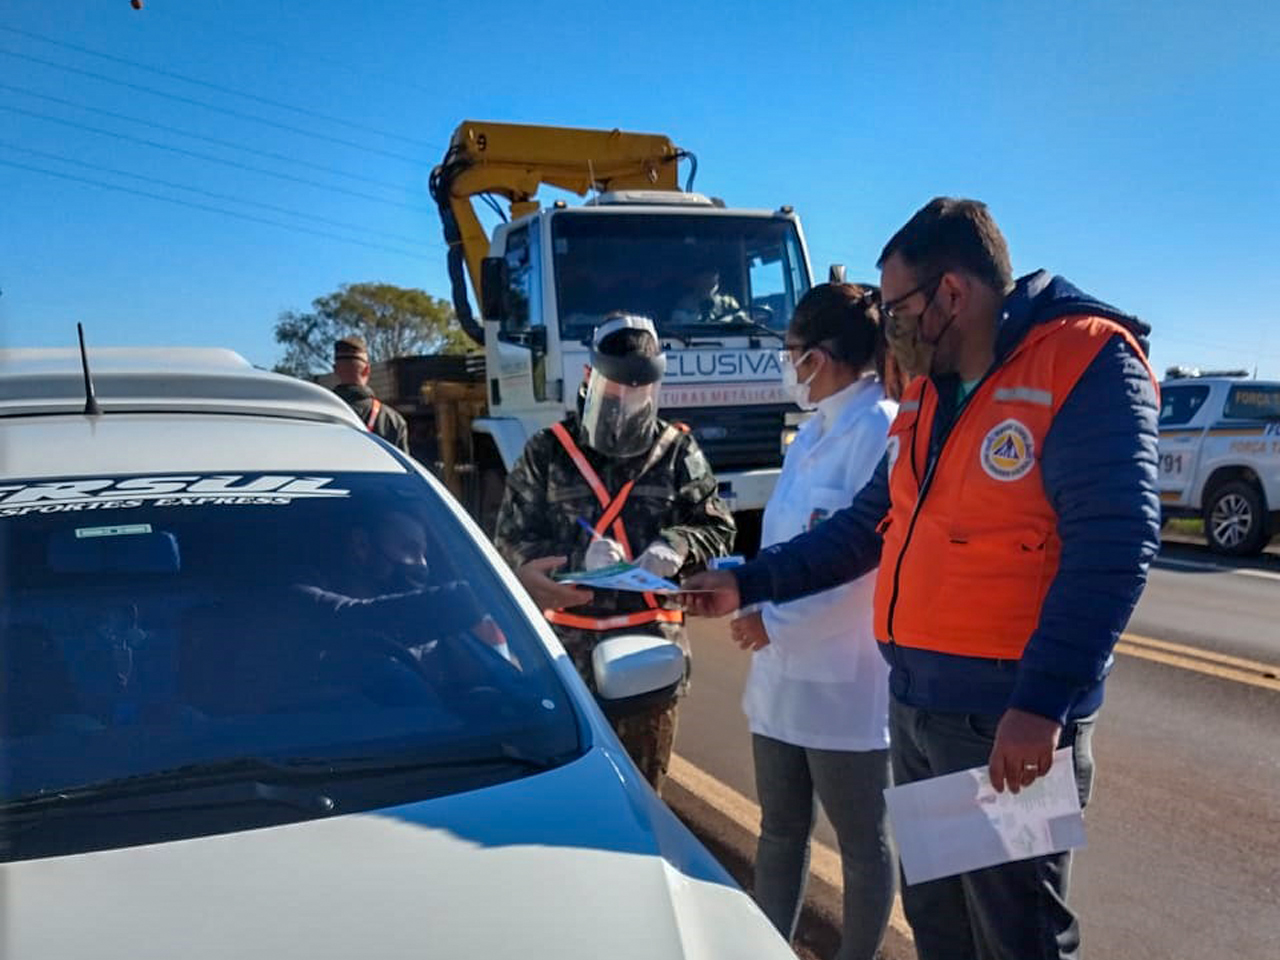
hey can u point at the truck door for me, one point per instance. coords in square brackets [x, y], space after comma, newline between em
[1182, 434]
[520, 377]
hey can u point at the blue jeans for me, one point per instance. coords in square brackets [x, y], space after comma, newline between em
[850, 785]
[1015, 911]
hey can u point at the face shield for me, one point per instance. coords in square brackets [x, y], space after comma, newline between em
[620, 405]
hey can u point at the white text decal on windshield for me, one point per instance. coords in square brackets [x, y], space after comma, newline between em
[74, 496]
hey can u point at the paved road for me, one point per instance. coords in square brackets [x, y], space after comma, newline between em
[1184, 830]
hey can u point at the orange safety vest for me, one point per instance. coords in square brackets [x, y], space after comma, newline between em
[612, 516]
[971, 544]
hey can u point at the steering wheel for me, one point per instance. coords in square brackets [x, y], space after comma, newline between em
[761, 313]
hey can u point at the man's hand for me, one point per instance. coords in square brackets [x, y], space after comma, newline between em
[748, 632]
[1023, 750]
[603, 552]
[723, 598]
[535, 576]
[661, 559]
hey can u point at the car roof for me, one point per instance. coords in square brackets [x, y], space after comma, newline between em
[129, 444]
[46, 381]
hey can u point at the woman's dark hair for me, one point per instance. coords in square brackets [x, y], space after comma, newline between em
[844, 320]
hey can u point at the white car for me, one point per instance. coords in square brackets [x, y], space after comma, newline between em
[1220, 458]
[266, 691]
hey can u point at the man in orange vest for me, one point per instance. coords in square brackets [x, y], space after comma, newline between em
[609, 483]
[1013, 520]
[351, 366]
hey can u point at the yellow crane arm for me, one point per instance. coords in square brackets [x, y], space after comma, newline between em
[513, 160]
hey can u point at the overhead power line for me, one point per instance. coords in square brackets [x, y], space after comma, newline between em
[240, 114]
[363, 69]
[221, 88]
[102, 184]
[229, 144]
[212, 159]
[101, 168]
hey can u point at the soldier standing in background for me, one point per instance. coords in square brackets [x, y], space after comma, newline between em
[351, 367]
[639, 482]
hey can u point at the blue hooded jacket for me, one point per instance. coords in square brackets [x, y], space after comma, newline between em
[1099, 466]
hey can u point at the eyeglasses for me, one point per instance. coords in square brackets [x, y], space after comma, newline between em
[889, 308]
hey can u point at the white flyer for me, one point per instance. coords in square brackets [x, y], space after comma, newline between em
[956, 823]
[621, 576]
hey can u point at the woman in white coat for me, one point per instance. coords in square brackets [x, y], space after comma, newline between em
[817, 696]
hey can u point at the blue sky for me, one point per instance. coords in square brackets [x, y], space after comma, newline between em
[1132, 147]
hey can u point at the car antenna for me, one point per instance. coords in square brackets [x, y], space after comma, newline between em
[91, 408]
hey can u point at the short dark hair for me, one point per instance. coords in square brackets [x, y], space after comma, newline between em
[950, 234]
[843, 319]
[628, 342]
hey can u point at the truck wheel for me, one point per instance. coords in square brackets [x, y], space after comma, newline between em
[1235, 521]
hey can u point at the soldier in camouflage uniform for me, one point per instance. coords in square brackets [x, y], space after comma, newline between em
[669, 512]
[351, 367]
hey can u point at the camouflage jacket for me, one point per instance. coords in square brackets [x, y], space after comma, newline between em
[388, 424]
[674, 500]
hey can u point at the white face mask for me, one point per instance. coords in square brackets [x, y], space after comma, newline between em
[791, 383]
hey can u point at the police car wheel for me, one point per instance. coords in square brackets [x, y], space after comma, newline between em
[1235, 521]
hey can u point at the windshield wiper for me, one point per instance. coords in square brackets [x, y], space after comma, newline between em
[296, 783]
[744, 323]
[259, 779]
[503, 754]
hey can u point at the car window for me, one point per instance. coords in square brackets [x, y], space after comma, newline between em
[1253, 401]
[1178, 405]
[155, 623]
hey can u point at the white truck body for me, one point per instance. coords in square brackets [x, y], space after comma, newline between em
[636, 253]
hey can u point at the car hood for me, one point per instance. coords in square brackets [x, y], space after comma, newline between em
[581, 861]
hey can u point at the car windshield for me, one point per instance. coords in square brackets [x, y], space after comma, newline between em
[692, 274]
[319, 622]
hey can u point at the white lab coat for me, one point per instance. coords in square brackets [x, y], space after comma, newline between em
[821, 682]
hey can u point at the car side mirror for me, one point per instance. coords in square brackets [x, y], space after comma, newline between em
[633, 671]
[494, 280]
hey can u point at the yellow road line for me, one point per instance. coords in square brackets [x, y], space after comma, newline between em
[1202, 654]
[1207, 662]
[824, 863]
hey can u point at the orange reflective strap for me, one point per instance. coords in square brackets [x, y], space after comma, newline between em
[612, 505]
[579, 461]
[374, 410]
[658, 615]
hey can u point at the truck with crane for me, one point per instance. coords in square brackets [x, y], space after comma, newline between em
[719, 283]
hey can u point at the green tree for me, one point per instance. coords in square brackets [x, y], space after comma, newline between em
[394, 321]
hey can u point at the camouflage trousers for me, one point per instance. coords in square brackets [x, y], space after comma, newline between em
[647, 735]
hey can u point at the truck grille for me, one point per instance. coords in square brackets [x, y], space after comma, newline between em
[735, 438]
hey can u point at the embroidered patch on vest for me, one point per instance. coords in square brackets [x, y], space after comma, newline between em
[1008, 451]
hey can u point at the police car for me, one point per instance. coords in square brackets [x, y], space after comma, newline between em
[1220, 456]
[266, 691]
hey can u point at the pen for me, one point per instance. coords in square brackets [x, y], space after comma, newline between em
[589, 528]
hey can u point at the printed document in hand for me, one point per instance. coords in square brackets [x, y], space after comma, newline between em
[957, 823]
[620, 576]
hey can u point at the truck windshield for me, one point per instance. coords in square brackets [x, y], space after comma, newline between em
[693, 274]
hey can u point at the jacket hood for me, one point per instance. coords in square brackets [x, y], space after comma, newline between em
[1042, 296]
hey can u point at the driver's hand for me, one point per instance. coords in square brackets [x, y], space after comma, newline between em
[535, 576]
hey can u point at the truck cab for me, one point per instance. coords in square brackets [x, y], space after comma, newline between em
[719, 284]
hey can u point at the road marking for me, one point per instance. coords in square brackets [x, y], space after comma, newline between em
[824, 863]
[1202, 567]
[1221, 665]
